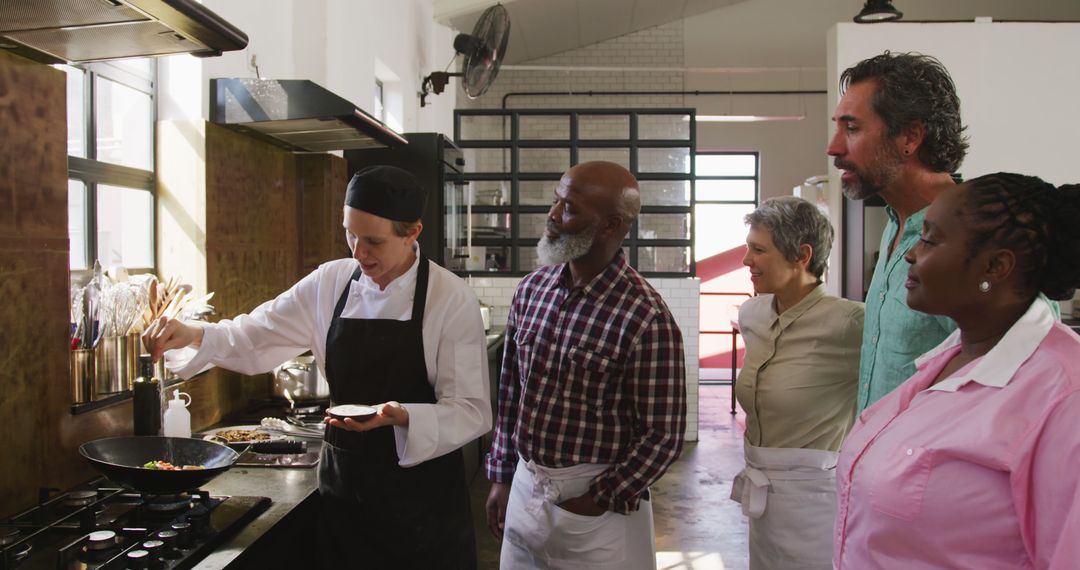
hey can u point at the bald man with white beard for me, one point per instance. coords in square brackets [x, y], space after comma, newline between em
[592, 395]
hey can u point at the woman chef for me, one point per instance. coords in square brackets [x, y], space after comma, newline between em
[392, 330]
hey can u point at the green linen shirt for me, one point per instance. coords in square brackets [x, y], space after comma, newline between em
[894, 335]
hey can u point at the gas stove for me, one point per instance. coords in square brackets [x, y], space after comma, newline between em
[106, 527]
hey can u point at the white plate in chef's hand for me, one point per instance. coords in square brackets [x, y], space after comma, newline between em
[352, 411]
[215, 435]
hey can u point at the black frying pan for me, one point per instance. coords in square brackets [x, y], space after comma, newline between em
[121, 459]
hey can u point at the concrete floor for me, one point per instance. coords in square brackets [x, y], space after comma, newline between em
[697, 526]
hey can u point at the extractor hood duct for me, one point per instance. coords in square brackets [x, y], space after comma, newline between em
[73, 31]
[296, 114]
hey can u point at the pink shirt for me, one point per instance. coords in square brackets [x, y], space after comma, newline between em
[979, 471]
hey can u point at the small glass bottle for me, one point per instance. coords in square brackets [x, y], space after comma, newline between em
[146, 399]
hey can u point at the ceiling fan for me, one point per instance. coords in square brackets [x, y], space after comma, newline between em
[483, 49]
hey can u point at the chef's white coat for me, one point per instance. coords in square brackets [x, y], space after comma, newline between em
[455, 349]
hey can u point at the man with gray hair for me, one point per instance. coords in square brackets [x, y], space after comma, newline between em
[592, 395]
[898, 136]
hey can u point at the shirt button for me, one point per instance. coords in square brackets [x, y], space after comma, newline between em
[910, 451]
[881, 296]
[873, 339]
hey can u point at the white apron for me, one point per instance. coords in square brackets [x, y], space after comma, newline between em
[538, 534]
[790, 497]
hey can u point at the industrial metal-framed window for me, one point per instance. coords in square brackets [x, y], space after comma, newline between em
[112, 113]
[514, 159]
[728, 187]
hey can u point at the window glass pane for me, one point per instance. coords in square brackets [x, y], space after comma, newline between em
[76, 118]
[380, 111]
[670, 160]
[491, 226]
[124, 227]
[725, 165]
[528, 259]
[532, 226]
[664, 127]
[544, 159]
[486, 159]
[594, 127]
[485, 127]
[620, 156]
[544, 127]
[537, 192]
[140, 66]
[665, 192]
[490, 192]
[123, 119]
[666, 259]
[720, 229]
[77, 224]
[726, 190]
[664, 226]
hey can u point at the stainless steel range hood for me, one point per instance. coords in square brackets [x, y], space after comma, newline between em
[296, 114]
[72, 31]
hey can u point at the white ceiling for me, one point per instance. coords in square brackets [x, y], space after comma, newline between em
[718, 32]
[545, 27]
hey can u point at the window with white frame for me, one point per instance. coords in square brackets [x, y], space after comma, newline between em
[111, 113]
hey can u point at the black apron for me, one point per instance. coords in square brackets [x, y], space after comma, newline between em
[375, 513]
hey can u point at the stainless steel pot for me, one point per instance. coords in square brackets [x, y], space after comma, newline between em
[300, 380]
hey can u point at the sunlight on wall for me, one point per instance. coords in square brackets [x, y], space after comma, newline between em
[689, 561]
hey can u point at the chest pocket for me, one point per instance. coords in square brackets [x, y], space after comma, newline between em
[525, 345]
[898, 487]
[591, 378]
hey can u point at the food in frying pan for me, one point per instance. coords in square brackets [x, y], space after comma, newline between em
[238, 435]
[166, 466]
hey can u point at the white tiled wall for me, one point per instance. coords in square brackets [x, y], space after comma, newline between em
[681, 296]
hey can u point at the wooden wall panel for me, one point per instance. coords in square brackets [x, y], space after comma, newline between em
[39, 446]
[321, 180]
[252, 247]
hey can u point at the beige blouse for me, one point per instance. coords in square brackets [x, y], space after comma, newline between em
[801, 372]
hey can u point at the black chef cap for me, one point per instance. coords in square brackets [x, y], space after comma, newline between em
[388, 192]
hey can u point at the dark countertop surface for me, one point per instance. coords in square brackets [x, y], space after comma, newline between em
[286, 487]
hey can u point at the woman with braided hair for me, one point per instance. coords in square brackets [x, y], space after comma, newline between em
[973, 461]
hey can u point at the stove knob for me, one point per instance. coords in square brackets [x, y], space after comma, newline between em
[156, 548]
[169, 539]
[200, 522]
[183, 530]
[138, 560]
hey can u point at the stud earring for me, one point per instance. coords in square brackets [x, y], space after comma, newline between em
[984, 286]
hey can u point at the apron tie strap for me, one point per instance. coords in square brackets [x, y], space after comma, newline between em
[751, 489]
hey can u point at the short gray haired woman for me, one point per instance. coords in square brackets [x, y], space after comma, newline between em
[797, 386]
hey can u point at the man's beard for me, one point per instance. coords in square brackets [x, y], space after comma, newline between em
[566, 247]
[882, 171]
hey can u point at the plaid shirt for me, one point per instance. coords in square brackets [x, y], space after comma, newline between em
[592, 374]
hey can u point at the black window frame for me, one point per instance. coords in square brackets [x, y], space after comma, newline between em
[512, 141]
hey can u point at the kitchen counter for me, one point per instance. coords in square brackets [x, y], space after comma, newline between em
[288, 488]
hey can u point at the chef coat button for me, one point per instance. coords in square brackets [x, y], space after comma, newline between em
[910, 451]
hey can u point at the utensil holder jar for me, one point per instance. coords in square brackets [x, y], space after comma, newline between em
[117, 364]
[82, 375]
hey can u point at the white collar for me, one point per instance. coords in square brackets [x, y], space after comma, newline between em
[407, 279]
[997, 367]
